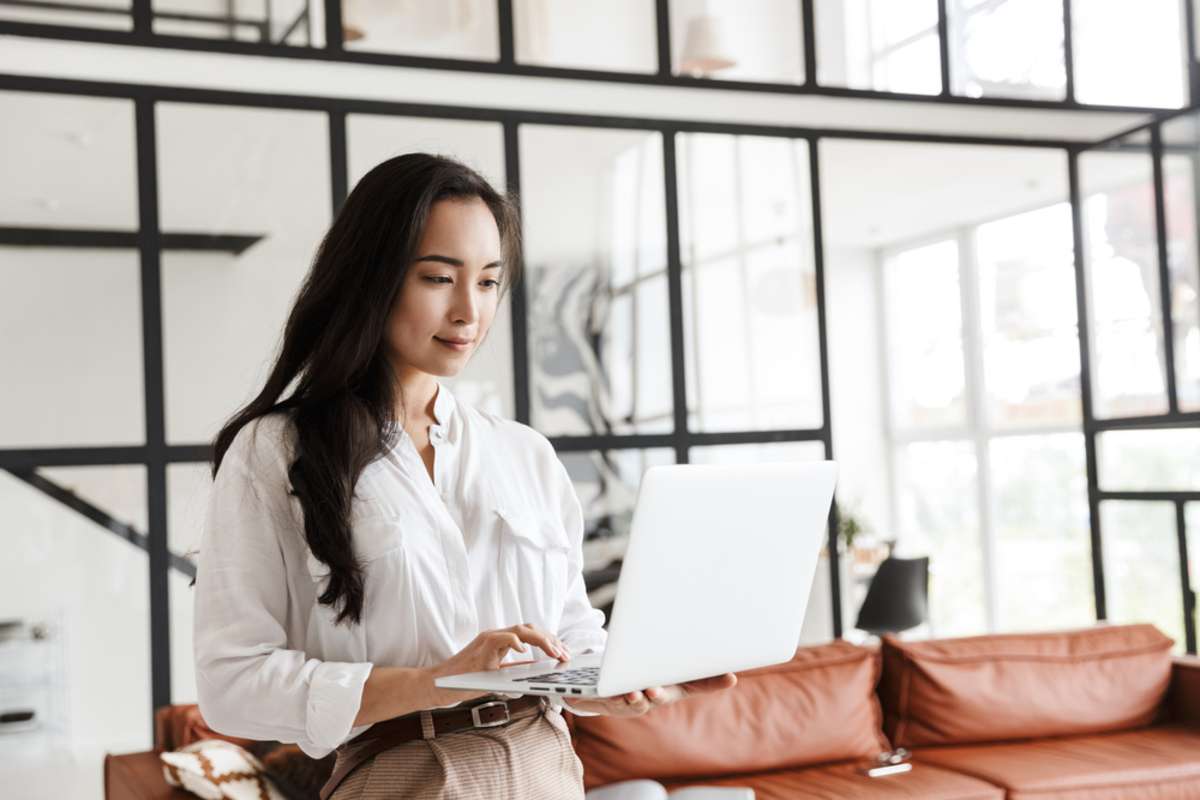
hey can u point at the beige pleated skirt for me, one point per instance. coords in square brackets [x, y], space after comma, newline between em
[530, 759]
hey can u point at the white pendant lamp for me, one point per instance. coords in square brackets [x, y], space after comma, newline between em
[705, 50]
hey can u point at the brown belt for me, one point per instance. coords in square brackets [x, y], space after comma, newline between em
[482, 713]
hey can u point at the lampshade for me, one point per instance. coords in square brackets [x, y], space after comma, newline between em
[704, 48]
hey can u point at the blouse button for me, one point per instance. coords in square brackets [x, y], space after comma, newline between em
[436, 434]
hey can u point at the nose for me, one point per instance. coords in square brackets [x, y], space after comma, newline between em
[465, 309]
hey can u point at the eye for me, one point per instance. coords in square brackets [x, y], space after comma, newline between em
[494, 283]
[438, 278]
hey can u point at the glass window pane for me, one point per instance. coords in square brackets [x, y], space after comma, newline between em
[883, 45]
[1013, 48]
[749, 283]
[248, 172]
[1027, 315]
[487, 380]
[1182, 145]
[1141, 565]
[300, 23]
[893, 23]
[1121, 269]
[1149, 36]
[1163, 459]
[1042, 532]
[71, 347]
[111, 14]
[462, 29]
[87, 584]
[910, 68]
[759, 40]
[924, 337]
[617, 35]
[938, 516]
[764, 453]
[67, 162]
[595, 259]
[188, 485]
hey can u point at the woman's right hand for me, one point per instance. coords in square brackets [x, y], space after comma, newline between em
[486, 652]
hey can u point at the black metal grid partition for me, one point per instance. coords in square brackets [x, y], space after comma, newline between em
[1144, 142]
[297, 31]
[150, 241]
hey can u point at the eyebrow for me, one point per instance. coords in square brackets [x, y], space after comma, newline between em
[454, 262]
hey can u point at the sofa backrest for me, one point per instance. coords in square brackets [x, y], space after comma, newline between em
[179, 725]
[1016, 686]
[818, 707]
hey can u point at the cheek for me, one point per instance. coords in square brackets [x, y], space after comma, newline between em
[410, 322]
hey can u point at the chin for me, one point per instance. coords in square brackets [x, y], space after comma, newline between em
[447, 369]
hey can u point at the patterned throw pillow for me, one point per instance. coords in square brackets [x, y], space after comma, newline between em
[218, 770]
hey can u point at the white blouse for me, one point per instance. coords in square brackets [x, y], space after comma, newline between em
[494, 540]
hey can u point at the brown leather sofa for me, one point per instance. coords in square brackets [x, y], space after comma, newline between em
[1104, 713]
[1099, 713]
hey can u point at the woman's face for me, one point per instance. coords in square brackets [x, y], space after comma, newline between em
[451, 290]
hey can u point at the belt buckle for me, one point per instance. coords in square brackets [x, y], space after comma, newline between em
[481, 724]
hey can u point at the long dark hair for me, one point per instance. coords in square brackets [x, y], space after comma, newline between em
[343, 405]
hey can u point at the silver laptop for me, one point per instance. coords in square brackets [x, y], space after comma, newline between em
[716, 579]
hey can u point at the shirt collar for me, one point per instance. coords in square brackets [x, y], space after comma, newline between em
[444, 406]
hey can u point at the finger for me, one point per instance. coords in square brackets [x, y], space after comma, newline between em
[563, 647]
[528, 633]
[503, 641]
[640, 705]
[659, 695]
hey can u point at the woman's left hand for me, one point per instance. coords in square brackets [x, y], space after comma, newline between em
[634, 704]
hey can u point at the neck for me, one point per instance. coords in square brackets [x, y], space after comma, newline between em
[416, 405]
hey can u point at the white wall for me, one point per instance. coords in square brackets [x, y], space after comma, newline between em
[855, 383]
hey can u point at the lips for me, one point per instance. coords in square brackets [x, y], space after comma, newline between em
[459, 346]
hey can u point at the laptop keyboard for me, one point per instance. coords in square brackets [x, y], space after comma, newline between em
[584, 675]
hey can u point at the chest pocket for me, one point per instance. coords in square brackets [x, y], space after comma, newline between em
[533, 563]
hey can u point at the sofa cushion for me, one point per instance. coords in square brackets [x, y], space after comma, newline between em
[839, 781]
[820, 706]
[215, 768]
[1160, 762]
[1015, 686]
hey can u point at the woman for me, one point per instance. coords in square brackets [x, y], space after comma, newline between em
[368, 533]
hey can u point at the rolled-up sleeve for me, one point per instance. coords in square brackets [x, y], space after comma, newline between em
[249, 682]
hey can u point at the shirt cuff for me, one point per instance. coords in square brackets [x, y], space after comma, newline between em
[334, 699]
